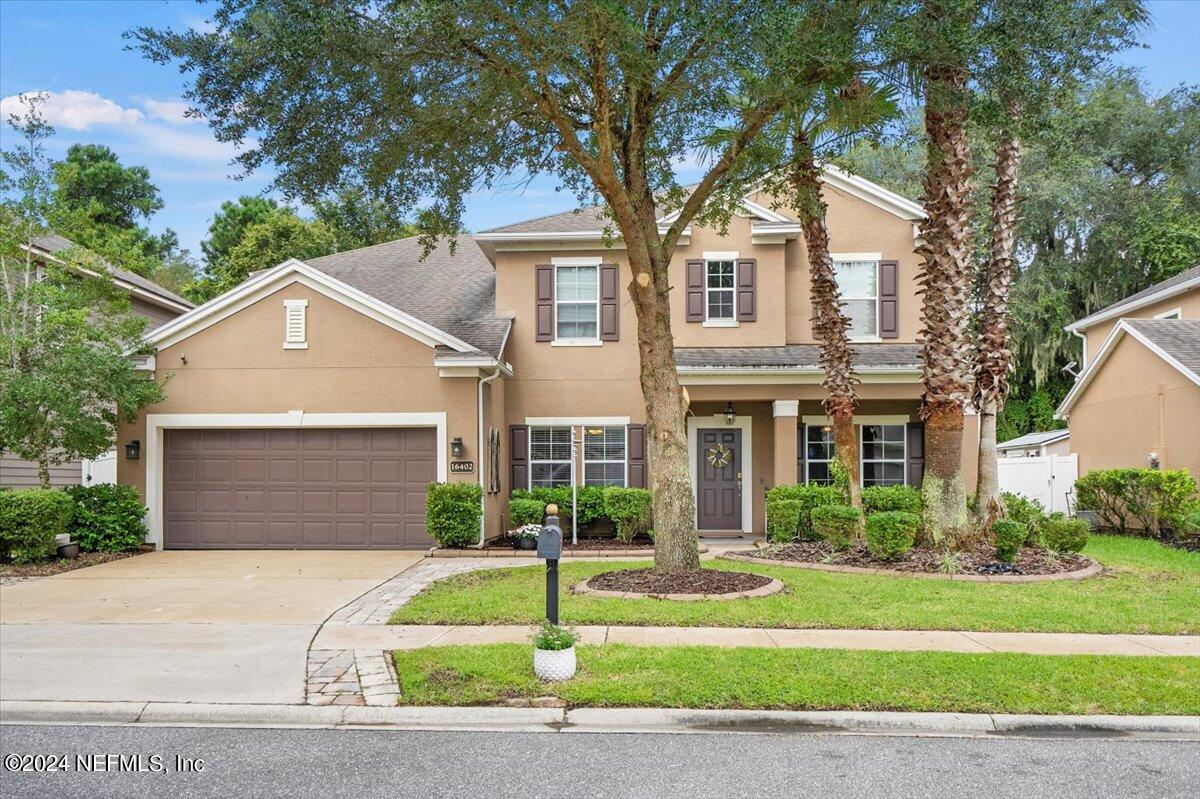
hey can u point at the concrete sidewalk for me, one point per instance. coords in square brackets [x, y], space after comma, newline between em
[415, 636]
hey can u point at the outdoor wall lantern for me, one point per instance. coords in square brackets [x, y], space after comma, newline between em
[1152, 459]
[730, 415]
[132, 450]
[456, 447]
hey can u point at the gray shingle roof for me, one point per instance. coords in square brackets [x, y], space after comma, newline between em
[1171, 282]
[454, 292]
[581, 219]
[1179, 338]
[797, 356]
[1034, 439]
[54, 244]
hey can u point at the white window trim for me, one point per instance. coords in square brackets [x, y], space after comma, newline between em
[156, 423]
[709, 258]
[624, 462]
[807, 460]
[1174, 313]
[744, 423]
[903, 461]
[576, 342]
[859, 421]
[873, 338]
[300, 343]
[570, 461]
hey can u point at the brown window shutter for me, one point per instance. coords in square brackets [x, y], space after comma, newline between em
[889, 299]
[914, 465]
[610, 307]
[637, 456]
[518, 457]
[747, 299]
[545, 303]
[801, 452]
[695, 291]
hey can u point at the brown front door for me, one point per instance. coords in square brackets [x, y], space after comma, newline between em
[719, 479]
[297, 488]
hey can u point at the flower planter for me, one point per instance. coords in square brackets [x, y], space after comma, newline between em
[526, 543]
[554, 665]
[68, 551]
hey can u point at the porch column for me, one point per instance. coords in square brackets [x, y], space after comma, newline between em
[786, 414]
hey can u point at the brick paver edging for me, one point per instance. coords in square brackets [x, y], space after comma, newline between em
[438, 552]
[773, 587]
[1079, 574]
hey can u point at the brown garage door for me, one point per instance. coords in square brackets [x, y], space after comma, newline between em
[297, 489]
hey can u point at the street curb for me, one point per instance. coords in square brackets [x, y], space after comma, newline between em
[597, 720]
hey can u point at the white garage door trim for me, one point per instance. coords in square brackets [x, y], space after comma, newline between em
[156, 423]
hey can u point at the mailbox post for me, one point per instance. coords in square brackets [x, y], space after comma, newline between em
[549, 548]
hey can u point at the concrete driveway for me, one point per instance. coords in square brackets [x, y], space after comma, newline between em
[179, 626]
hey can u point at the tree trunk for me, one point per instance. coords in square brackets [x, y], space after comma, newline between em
[43, 466]
[829, 323]
[945, 278]
[993, 360]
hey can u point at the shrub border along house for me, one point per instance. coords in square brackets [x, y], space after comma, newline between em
[1139, 501]
[30, 521]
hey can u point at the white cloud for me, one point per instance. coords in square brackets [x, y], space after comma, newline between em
[173, 111]
[74, 109]
[185, 145]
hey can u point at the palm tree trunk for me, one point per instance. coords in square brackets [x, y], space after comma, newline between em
[993, 360]
[829, 323]
[945, 280]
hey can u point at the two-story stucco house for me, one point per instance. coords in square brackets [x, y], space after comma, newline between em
[310, 406]
[1136, 401]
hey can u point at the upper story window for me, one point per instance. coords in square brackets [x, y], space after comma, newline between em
[719, 298]
[604, 456]
[549, 457]
[858, 282]
[577, 303]
[1174, 313]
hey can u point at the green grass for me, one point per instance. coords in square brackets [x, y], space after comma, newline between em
[1147, 588]
[617, 675]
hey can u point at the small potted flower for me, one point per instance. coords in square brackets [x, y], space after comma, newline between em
[525, 536]
[554, 652]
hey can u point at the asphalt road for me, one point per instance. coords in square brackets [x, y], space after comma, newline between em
[298, 763]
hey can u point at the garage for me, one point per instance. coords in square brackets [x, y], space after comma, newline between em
[297, 488]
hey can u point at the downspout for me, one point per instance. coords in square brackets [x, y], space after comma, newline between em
[479, 453]
[1083, 363]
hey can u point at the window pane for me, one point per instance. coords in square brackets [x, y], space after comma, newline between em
[720, 304]
[576, 320]
[871, 432]
[861, 314]
[893, 432]
[604, 474]
[550, 474]
[720, 274]
[576, 283]
[604, 443]
[893, 452]
[857, 279]
[818, 473]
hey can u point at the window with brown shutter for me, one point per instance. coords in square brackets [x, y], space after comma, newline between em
[747, 300]
[637, 456]
[915, 454]
[544, 301]
[889, 299]
[695, 291]
[610, 306]
[518, 457]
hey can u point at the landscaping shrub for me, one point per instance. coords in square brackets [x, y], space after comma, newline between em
[1025, 511]
[809, 496]
[881, 499]
[1146, 501]
[525, 510]
[1010, 535]
[107, 518]
[452, 513]
[837, 524]
[1060, 534]
[30, 518]
[891, 533]
[783, 519]
[629, 510]
[589, 501]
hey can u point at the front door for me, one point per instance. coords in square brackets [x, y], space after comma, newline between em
[719, 479]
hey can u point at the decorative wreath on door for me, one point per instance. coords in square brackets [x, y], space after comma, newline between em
[718, 456]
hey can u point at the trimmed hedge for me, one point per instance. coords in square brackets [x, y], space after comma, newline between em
[883, 499]
[107, 518]
[452, 513]
[1060, 534]
[629, 510]
[525, 510]
[1025, 511]
[809, 496]
[1010, 535]
[30, 519]
[891, 533]
[589, 500]
[783, 520]
[837, 524]
[1132, 501]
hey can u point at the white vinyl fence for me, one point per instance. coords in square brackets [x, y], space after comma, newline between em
[101, 470]
[1050, 479]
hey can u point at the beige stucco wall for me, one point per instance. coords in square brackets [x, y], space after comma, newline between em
[1136, 404]
[353, 364]
[1188, 303]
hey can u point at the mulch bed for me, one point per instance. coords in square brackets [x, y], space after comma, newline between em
[979, 560]
[584, 545]
[46, 568]
[704, 581]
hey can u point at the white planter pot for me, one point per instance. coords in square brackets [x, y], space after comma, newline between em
[554, 665]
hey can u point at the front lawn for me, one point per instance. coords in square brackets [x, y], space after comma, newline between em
[616, 675]
[1147, 588]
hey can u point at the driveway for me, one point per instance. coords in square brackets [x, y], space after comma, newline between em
[217, 626]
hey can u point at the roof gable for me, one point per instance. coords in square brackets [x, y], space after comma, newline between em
[1183, 282]
[52, 244]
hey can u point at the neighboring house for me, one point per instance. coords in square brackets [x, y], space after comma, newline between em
[147, 299]
[1036, 445]
[1136, 402]
[310, 406]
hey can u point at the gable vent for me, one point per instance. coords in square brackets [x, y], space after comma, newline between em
[295, 333]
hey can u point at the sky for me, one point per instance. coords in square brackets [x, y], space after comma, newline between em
[102, 93]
